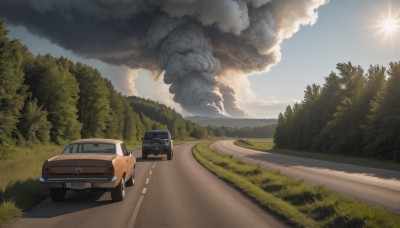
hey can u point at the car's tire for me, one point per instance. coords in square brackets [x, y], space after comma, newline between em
[118, 193]
[169, 155]
[57, 194]
[131, 180]
[144, 155]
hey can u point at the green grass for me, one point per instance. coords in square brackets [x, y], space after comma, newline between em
[298, 203]
[8, 211]
[20, 169]
[267, 145]
[133, 145]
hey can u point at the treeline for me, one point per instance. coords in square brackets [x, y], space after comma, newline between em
[168, 118]
[266, 131]
[354, 113]
[44, 99]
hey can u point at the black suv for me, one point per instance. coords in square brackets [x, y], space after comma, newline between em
[157, 142]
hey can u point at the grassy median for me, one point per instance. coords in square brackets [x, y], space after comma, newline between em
[267, 145]
[298, 203]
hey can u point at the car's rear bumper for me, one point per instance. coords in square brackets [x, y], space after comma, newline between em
[78, 183]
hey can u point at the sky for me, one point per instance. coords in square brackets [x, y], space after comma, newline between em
[344, 31]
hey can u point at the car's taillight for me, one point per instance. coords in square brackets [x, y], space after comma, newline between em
[46, 171]
[110, 171]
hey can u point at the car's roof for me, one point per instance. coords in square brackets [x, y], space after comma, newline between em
[98, 140]
[157, 131]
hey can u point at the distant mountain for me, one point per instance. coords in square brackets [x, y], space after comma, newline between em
[230, 122]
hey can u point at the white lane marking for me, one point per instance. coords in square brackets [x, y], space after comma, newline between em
[132, 221]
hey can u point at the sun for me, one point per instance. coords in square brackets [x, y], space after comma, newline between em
[390, 26]
[387, 22]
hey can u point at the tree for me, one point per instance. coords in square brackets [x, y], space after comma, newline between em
[322, 111]
[383, 129]
[345, 127]
[115, 126]
[94, 101]
[57, 92]
[283, 127]
[34, 125]
[129, 121]
[12, 88]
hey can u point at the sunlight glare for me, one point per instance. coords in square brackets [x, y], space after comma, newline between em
[390, 26]
[387, 23]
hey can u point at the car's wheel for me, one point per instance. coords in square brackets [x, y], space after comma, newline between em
[57, 194]
[169, 155]
[131, 180]
[118, 193]
[144, 155]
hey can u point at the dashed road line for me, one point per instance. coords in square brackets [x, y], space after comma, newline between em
[132, 221]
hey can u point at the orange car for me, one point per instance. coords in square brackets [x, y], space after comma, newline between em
[96, 164]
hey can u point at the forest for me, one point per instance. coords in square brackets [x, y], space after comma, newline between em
[355, 113]
[47, 99]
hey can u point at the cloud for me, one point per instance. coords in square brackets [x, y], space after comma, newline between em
[194, 42]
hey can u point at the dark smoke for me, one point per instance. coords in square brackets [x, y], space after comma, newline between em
[194, 42]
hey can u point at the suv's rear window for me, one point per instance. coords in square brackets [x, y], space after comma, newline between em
[152, 135]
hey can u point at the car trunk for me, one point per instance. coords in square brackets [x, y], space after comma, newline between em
[80, 166]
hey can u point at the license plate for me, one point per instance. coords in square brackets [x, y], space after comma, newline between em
[78, 185]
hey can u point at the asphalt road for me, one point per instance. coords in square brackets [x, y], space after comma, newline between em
[176, 193]
[376, 186]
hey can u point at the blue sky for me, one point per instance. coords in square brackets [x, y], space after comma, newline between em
[345, 31]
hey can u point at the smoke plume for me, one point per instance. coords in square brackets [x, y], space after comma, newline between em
[194, 43]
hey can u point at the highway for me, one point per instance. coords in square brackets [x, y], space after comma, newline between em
[176, 193]
[376, 186]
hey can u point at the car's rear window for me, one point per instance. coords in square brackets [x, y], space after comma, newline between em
[152, 135]
[90, 148]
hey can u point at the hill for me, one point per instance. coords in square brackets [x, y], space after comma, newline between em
[165, 118]
[230, 122]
